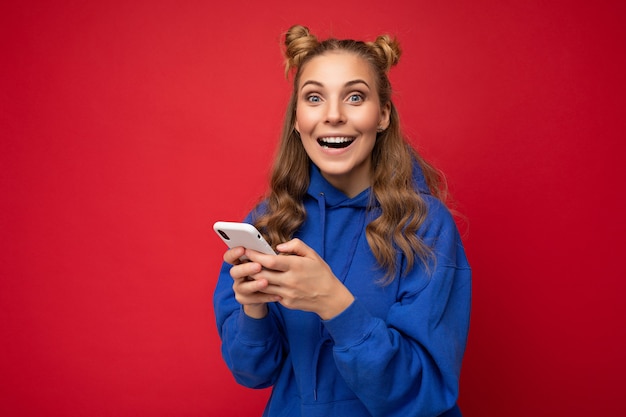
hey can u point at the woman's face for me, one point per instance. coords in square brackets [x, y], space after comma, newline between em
[338, 113]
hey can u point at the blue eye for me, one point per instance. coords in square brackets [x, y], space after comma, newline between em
[313, 99]
[355, 98]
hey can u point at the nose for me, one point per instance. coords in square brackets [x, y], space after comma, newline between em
[334, 113]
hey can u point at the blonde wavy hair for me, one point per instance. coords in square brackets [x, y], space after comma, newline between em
[403, 209]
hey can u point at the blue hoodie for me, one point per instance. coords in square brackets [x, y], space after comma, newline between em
[395, 351]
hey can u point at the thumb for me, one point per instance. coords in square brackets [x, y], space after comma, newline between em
[295, 247]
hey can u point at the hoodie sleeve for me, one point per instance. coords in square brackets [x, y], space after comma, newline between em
[253, 349]
[409, 363]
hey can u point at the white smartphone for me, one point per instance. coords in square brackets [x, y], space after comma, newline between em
[242, 234]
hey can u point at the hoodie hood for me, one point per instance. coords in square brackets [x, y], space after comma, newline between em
[333, 211]
[335, 198]
[320, 187]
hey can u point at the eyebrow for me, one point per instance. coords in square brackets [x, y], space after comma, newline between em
[348, 84]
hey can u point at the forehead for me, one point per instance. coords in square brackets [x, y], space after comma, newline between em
[337, 68]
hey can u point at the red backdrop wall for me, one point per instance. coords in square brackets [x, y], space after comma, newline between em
[128, 128]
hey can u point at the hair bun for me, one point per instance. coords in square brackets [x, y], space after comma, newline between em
[387, 49]
[298, 43]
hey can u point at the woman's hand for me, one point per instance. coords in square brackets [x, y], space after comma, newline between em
[299, 279]
[248, 291]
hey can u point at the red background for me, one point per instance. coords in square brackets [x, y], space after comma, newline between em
[128, 128]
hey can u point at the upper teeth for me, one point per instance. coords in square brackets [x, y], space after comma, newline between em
[337, 139]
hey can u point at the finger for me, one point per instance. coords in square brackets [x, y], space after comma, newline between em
[274, 291]
[248, 287]
[295, 247]
[256, 298]
[271, 262]
[253, 292]
[245, 269]
[232, 256]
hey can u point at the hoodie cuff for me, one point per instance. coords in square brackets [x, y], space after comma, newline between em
[254, 331]
[351, 326]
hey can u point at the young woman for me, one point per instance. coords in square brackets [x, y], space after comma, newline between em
[365, 311]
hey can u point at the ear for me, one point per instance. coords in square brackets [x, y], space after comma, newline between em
[385, 114]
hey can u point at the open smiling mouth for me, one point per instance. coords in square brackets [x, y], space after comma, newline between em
[338, 142]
